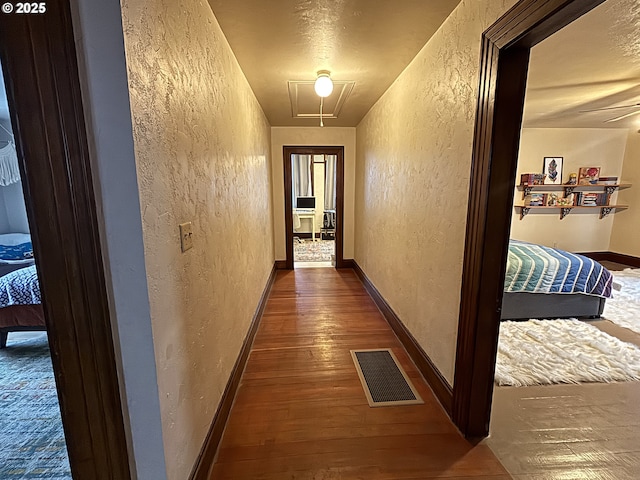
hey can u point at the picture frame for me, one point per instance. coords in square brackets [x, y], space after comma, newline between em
[537, 199]
[588, 175]
[552, 169]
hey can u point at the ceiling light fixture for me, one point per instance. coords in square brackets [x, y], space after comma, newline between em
[323, 87]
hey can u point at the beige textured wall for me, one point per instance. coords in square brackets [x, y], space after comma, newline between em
[412, 180]
[202, 146]
[581, 147]
[313, 136]
[626, 223]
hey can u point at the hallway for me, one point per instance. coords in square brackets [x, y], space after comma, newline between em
[301, 413]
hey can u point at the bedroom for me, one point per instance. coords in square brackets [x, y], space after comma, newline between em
[576, 115]
[30, 425]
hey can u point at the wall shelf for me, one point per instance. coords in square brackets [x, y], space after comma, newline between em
[564, 210]
[569, 189]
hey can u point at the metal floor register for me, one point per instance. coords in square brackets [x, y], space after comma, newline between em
[383, 380]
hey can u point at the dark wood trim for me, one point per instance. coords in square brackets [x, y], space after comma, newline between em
[349, 263]
[613, 257]
[288, 204]
[281, 264]
[41, 74]
[427, 368]
[503, 72]
[209, 449]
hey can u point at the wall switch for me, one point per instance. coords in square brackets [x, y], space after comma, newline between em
[186, 236]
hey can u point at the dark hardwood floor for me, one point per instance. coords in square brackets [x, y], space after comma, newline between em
[300, 412]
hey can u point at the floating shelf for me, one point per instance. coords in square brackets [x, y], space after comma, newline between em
[569, 189]
[566, 209]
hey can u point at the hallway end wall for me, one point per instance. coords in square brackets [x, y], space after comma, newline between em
[313, 137]
[202, 146]
[412, 181]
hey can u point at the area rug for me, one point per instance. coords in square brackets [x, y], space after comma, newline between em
[31, 437]
[308, 251]
[624, 308]
[542, 352]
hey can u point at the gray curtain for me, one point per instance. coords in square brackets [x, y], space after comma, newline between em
[301, 173]
[330, 183]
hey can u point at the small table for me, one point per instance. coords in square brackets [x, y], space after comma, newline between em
[310, 214]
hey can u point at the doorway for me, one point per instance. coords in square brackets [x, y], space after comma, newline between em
[503, 75]
[40, 70]
[314, 205]
[31, 430]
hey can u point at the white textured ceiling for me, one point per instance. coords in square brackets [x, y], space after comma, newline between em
[366, 41]
[592, 63]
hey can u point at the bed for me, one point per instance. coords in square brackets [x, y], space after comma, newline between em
[16, 251]
[543, 282]
[20, 303]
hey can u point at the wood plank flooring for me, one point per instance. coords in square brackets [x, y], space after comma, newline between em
[587, 431]
[301, 413]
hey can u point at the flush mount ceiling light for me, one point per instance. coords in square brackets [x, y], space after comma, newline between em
[323, 87]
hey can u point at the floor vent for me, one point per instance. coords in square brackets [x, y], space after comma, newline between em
[384, 381]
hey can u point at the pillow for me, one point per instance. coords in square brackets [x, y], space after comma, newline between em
[16, 252]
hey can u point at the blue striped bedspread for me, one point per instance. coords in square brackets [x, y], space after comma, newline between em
[539, 269]
[20, 287]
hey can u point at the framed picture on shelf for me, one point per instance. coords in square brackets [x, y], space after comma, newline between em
[537, 199]
[588, 175]
[552, 169]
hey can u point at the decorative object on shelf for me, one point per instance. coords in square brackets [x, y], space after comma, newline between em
[566, 201]
[588, 175]
[537, 199]
[532, 178]
[593, 197]
[552, 169]
[608, 180]
[573, 179]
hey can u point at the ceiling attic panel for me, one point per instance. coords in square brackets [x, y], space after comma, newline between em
[363, 41]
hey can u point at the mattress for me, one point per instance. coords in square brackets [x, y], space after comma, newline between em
[535, 268]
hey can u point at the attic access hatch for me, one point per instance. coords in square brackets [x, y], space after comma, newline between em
[305, 103]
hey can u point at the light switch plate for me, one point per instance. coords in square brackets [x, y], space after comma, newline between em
[186, 236]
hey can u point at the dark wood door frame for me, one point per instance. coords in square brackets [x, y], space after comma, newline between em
[503, 74]
[41, 74]
[288, 206]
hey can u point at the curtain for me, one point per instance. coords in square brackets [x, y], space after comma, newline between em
[330, 182]
[301, 173]
[9, 171]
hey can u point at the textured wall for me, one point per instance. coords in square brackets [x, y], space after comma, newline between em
[626, 223]
[412, 180]
[580, 147]
[313, 136]
[203, 155]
